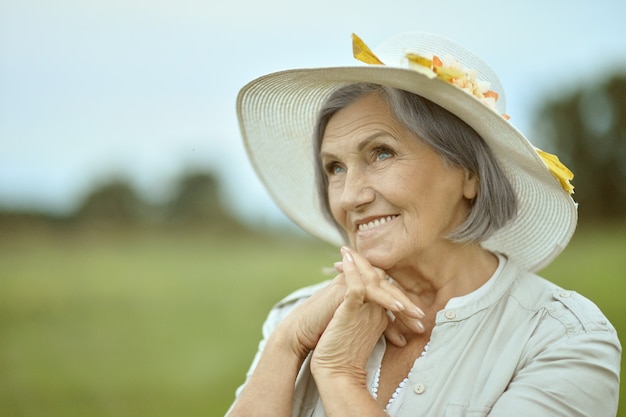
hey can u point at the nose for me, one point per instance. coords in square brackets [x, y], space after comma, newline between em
[357, 192]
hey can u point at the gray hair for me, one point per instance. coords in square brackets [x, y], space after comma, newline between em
[453, 139]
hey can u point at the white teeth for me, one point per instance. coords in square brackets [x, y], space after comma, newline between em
[375, 223]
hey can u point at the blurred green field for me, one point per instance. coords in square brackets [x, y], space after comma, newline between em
[166, 324]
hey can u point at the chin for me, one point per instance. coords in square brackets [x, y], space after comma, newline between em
[378, 259]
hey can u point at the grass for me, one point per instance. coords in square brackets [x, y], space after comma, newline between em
[166, 324]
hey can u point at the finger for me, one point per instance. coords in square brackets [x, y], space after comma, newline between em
[394, 335]
[415, 325]
[381, 291]
[366, 269]
[355, 290]
[408, 307]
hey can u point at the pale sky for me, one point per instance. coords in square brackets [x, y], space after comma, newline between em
[146, 89]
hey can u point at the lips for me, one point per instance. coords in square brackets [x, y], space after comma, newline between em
[370, 224]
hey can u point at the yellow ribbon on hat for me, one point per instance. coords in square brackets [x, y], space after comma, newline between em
[363, 53]
[558, 170]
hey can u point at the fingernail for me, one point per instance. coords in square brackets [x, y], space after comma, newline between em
[420, 326]
[338, 266]
[420, 312]
[400, 306]
[346, 254]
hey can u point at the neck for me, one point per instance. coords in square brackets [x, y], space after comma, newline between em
[436, 280]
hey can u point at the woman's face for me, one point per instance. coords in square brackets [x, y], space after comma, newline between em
[395, 197]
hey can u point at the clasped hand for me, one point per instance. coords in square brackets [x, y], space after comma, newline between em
[343, 322]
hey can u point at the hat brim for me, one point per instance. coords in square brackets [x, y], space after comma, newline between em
[277, 114]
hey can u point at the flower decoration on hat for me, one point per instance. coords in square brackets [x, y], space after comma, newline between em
[447, 69]
[450, 70]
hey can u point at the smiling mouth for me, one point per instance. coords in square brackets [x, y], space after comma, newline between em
[375, 223]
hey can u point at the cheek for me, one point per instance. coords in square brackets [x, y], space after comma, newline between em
[335, 208]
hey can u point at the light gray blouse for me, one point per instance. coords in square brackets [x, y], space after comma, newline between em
[525, 347]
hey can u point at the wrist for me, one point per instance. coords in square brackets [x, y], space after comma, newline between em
[284, 339]
[346, 394]
[345, 376]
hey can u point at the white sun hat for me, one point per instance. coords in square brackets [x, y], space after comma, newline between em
[277, 114]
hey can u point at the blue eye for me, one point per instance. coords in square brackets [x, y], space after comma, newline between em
[337, 169]
[333, 168]
[383, 153]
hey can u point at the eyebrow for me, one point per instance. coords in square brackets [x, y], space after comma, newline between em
[363, 144]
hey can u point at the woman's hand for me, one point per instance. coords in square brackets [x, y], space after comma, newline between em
[403, 313]
[305, 325]
[342, 322]
[347, 342]
[361, 318]
[339, 360]
[302, 328]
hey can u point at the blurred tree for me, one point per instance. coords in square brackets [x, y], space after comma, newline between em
[195, 203]
[588, 131]
[198, 202]
[114, 203]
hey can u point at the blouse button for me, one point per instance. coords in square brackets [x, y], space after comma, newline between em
[419, 388]
[565, 294]
[450, 314]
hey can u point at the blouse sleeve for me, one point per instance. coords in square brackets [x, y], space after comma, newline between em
[275, 316]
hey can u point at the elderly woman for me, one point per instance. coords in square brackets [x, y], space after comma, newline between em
[443, 211]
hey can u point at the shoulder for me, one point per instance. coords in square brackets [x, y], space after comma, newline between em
[301, 294]
[573, 311]
[564, 328]
[287, 304]
[560, 323]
